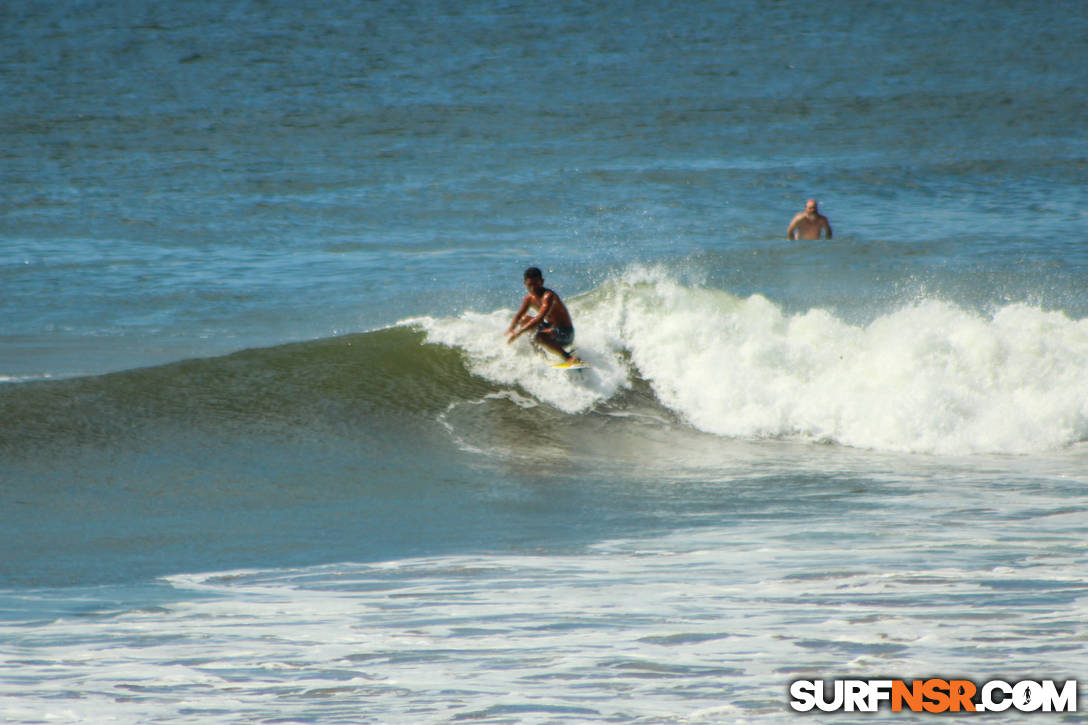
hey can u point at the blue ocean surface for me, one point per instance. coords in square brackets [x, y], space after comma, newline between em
[265, 457]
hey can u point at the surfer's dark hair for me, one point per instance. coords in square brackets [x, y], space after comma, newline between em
[534, 273]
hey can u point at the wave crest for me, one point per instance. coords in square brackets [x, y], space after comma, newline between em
[929, 377]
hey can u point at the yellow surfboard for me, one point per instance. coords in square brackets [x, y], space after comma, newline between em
[571, 365]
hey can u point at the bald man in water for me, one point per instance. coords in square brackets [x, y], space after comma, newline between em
[807, 224]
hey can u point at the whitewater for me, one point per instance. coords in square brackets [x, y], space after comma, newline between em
[930, 377]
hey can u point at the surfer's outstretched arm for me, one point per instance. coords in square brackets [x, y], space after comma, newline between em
[528, 322]
[518, 319]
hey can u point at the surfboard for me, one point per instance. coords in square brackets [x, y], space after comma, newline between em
[568, 365]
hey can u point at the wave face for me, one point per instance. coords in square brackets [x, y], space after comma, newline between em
[929, 377]
[350, 380]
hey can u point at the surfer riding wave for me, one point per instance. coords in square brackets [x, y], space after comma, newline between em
[554, 328]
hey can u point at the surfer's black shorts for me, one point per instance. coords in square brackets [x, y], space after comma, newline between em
[562, 335]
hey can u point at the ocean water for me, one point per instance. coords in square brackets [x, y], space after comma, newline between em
[264, 456]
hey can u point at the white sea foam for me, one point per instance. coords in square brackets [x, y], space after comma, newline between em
[488, 355]
[698, 625]
[929, 377]
[24, 378]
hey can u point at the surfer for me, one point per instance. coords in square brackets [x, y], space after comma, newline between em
[554, 329]
[807, 224]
